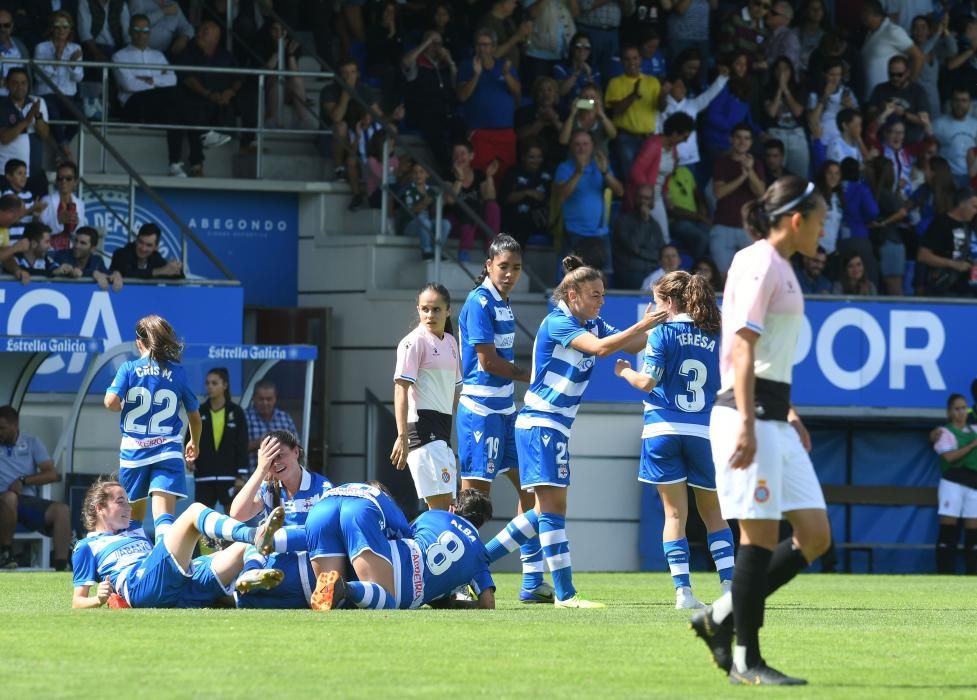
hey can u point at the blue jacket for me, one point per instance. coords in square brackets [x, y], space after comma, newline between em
[722, 114]
[860, 208]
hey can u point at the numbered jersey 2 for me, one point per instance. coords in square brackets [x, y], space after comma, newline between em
[684, 361]
[152, 430]
[451, 555]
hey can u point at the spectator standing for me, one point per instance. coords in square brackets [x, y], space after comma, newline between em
[266, 47]
[63, 211]
[477, 190]
[811, 27]
[633, 101]
[903, 157]
[831, 96]
[956, 133]
[10, 46]
[746, 32]
[525, 196]
[885, 39]
[810, 273]
[86, 261]
[24, 129]
[431, 73]
[949, 250]
[962, 67]
[60, 46]
[730, 108]
[102, 26]
[508, 37]
[263, 416]
[905, 99]
[784, 109]
[934, 196]
[141, 258]
[222, 455]
[653, 60]
[737, 179]
[579, 184]
[577, 72]
[587, 114]
[25, 465]
[489, 92]
[170, 31]
[683, 97]
[783, 40]
[829, 184]
[542, 122]
[384, 49]
[550, 39]
[15, 175]
[849, 142]
[345, 111]
[638, 239]
[601, 19]
[937, 46]
[886, 229]
[689, 28]
[853, 280]
[689, 219]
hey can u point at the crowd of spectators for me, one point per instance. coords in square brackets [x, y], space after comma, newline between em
[611, 128]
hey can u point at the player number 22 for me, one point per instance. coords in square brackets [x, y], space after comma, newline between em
[698, 374]
[144, 400]
[442, 554]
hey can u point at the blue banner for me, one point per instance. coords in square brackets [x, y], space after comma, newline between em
[198, 314]
[867, 353]
[255, 234]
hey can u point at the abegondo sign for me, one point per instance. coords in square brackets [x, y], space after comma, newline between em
[854, 353]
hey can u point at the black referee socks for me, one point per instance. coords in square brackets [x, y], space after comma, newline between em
[785, 564]
[946, 549]
[749, 593]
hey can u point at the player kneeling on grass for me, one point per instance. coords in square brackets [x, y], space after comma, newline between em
[443, 552]
[124, 563]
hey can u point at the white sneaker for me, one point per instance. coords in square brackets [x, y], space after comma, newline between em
[684, 600]
[176, 170]
[726, 586]
[214, 139]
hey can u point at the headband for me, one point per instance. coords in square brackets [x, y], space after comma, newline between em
[794, 202]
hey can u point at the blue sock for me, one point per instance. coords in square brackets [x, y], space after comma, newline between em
[290, 539]
[520, 530]
[677, 556]
[217, 526]
[162, 524]
[556, 549]
[253, 559]
[721, 548]
[366, 594]
[531, 555]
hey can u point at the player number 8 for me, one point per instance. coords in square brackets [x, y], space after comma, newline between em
[442, 554]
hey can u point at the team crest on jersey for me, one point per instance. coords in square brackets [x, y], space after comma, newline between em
[761, 494]
[563, 471]
[445, 475]
[490, 467]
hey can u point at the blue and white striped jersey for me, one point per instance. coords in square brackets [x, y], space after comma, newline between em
[486, 318]
[312, 490]
[394, 522]
[684, 361]
[560, 372]
[152, 430]
[111, 554]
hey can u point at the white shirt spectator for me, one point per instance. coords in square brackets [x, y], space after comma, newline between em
[885, 42]
[164, 28]
[956, 137]
[49, 215]
[688, 150]
[839, 149]
[905, 10]
[20, 147]
[65, 75]
[104, 37]
[12, 51]
[129, 78]
[829, 117]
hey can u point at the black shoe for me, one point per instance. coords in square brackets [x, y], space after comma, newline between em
[340, 173]
[718, 638]
[8, 561]
[427, 256]
[761, 674]
[358, 202]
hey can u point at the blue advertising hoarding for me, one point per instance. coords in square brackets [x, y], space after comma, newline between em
[255, 234]
[865, 352]
[199, 314]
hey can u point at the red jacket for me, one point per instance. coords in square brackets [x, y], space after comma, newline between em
[644, 170]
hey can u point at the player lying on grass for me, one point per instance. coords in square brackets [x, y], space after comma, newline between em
[113, 558]
[442, 552]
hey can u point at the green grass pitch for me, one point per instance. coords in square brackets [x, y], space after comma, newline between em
[850, 636]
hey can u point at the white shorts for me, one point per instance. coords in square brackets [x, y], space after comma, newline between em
[780, 479]
[433, 468]
[957, 500]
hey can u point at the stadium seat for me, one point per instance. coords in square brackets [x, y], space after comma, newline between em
[40, 555]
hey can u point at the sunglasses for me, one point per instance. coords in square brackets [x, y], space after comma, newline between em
[140, 30]
[581, 46]
[65, 178]
[897, 76]
[6, 25]
[61, 26]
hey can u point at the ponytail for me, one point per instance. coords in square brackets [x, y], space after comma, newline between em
[442, 292]
[694, 295]
[502, 243]
[159, 339]
[576, 274]
[225, 377]
[787, 196]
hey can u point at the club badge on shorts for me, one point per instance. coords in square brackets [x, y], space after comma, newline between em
[445, 475]
[490, 467]
[762, 493]
[564, 472]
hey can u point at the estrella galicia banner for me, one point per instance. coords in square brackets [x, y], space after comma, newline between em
[869, 352]
[198, 315]
[255, 234]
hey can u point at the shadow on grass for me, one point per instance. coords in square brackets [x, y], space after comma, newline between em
[913, 686]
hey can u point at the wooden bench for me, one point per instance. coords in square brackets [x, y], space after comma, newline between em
[861, 495]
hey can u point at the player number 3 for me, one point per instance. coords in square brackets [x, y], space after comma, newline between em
[442, 554]
[698, 375]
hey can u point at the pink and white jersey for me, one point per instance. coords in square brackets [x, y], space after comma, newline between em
[432, 367]
[762, 294]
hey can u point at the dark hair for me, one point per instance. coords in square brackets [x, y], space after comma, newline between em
[822, 183]
[225, 377]
[158, 337]
[891, 122]
[785, 197]
[851, 170]
[442, 292]
[845, 117]
[35, 230]
[288, 439]
[576, 273]
[69, 165]
[10, 202]
[743, 87]
[716, 277]
[954, 397]
[881, 175]
[577, 37]
[850, 286]
[89, 231]
[346, 61]
[13, 164]
[96, 495]
[689, 54]
[961, 195]
[474, 506]
[503, 243]
[466, 144]
[898, 58]
[679, 123]
[873, 7]
[694, 295]
[9, 414]
[17, 69]
[773, 81]
[149, 230]
[742, 126]
[942, 184]
[135, 18]
[973, 389]
[263, 384]
[774, 144]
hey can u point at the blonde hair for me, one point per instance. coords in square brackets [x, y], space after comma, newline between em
[694, 295]
[98, 494]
